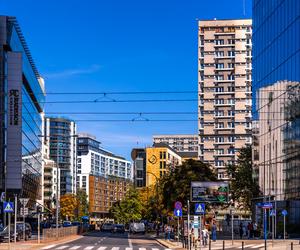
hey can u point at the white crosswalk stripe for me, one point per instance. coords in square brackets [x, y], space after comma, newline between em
[115, 248]
[75, 247]
[128, 248]
[142, 248]
[89, 248]
[50, 246]
[155, 248]
[62, 247]
[248, 246]
[258, 246]
[101, 248]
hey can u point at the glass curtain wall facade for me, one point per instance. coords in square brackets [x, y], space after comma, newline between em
[62, 148]
[21, 110]
[276, 60]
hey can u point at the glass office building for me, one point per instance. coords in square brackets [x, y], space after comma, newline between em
[276, 104]
[21, 114]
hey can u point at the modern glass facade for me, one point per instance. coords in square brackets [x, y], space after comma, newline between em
[276, 43]
[276, 62]
[21, 112]
[61, 133]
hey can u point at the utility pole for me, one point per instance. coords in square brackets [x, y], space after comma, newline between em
[188, 227]
[15, 226]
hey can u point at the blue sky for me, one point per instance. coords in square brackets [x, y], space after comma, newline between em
[117, 45]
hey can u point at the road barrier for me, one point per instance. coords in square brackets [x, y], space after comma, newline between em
[50, 233]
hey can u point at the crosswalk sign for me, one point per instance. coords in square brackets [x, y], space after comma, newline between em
[199, 208]
[8, 207]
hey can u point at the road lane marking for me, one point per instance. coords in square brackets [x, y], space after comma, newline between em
[89, 248]
[101, 248]
[115, 248]
[128, 248]
[155, 248]
[142, 248]
[252, 245]
[257, 246]
[48, 247]
[75, 247]
[62, 247]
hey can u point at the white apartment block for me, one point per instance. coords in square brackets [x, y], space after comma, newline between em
[180, 143]
[224, 88]
[92, 160]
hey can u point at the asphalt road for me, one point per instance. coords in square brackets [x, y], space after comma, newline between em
[108, 241]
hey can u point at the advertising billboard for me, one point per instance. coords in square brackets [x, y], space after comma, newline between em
[208, 191]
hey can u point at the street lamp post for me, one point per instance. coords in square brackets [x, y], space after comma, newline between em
[157, 180]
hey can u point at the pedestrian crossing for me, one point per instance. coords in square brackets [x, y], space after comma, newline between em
[219, 246]
[86, 247]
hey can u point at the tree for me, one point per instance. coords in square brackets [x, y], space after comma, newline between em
[68, 205]
[242, 187]
[82, 206]
[129, 209]
[175, 186]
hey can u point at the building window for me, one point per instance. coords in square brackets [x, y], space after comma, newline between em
[231, 139]
[231, 53]
[219, 101]
[219, 53]
[230, 77]
[219, 42]
[220, 151]
[219, 77]
[220, 65]
[219, 139]
[219, 163]
[230, 124]
[220, 125]
[231, 151]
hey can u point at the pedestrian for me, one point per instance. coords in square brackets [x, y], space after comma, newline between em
[248, 230]
[205, 236]
[192, 237]
[255, 230]
[241, 230]
[214, 232]
[244, 230]
[169, 232]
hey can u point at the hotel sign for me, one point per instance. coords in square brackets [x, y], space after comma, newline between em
[14, 102]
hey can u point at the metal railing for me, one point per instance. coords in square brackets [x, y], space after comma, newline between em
[51, 233]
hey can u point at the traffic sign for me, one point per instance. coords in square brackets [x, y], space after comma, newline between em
[272, 212]
[24, 201]
[199, 208]
[24, 211]
[196, 221]
[178, 205]
[8, 207]
[178, 212]
[284, 212]
[267, 205]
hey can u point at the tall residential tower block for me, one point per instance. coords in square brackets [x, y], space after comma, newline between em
[224, 90]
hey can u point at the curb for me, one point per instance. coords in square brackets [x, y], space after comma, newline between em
[169, 244]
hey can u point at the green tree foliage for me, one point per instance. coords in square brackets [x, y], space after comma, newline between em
[243, 188]
[175, 186]
[129, 209]
[82, 206]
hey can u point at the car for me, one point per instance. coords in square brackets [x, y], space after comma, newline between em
[67, 224]
[19, 233]
[137, 227]
[107, 227]
[118, 228]
[54, 225]
[76, 223]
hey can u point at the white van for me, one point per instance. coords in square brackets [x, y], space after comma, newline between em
[137, 228]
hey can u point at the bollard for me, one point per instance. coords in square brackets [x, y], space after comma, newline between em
[265, 245]
[223, 244]
[209, 244]
[242, 245]
[292, 245]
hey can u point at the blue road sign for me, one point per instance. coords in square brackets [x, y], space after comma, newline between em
[267, 205]
[178, 212]
[8, 207]
[199, 208]
[284, 212]
[272, 212]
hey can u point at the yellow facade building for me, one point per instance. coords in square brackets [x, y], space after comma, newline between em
[159, 160]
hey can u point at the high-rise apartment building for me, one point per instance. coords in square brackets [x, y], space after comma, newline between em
[61, 133]
[276, 105]
[138, 155]
[224, 90]
[185, 145]
[104, 176]
[22, 94]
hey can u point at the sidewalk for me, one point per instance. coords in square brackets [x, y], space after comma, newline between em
[32, 244]
[170, 244]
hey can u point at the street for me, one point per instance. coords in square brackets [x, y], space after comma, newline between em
[107, 241]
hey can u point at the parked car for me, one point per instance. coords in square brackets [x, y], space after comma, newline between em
[107, 227]
[67, 224]
[118, 228]
[54, 225]
[137, 227]
[19, 233]
[76, 223]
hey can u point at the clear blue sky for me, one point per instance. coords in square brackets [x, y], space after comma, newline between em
[117, 45]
